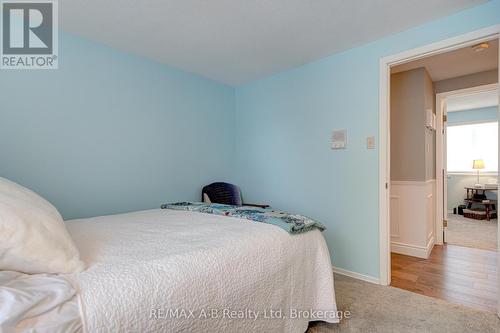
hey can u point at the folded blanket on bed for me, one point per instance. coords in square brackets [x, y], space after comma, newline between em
[292, 223]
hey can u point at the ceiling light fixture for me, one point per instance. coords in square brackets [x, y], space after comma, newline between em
[481, 47]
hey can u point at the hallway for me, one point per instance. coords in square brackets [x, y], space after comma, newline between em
[456, 274]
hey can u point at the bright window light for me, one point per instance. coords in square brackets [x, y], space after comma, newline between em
[472, 142]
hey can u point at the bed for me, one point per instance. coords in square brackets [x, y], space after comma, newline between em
[148, 270]
[181, 271]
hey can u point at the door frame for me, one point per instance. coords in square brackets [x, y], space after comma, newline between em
[386, 63]
[441, 203]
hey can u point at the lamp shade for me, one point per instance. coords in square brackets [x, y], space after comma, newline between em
[477, 164]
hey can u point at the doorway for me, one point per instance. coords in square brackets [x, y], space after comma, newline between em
[467, 153]
[426, 184]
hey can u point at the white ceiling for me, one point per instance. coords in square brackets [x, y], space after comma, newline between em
[472, 101]
[236, 41]
[456, 63]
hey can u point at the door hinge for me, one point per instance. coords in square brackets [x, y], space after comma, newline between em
[386, 186]
[445, 118]
[445, 223]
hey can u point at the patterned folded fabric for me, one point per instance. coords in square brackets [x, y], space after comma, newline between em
[291, 223]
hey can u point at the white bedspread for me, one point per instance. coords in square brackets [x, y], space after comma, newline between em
[179, 271]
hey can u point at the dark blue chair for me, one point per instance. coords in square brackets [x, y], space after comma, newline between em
[225, 193]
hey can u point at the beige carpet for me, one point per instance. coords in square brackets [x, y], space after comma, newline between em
[480, 234]
[376, 308]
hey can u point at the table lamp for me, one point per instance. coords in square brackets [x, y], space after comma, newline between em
[477, 165]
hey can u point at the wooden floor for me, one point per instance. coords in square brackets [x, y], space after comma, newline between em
[456, 274]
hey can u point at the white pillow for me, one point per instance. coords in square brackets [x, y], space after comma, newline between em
[33, 237]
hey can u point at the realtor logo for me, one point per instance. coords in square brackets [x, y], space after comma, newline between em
[29, 34]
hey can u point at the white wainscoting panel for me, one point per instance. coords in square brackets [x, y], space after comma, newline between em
[412, 217]
[395, 209]
[431, 210]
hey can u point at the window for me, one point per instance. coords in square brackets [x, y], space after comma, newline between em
[470, 142]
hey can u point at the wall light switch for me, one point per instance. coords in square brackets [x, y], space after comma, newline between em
[339, 139]
[370, 142]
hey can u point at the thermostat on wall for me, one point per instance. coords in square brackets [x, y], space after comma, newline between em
[339, 139]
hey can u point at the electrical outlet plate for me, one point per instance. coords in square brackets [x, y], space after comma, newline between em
[370, 142]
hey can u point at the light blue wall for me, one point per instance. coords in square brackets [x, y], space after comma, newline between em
[283, 128]
[109, 132]
[482, 114]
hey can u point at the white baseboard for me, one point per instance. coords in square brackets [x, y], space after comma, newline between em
[413, 250]
[355, 275]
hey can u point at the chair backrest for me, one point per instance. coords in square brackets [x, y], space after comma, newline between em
[223, 193]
